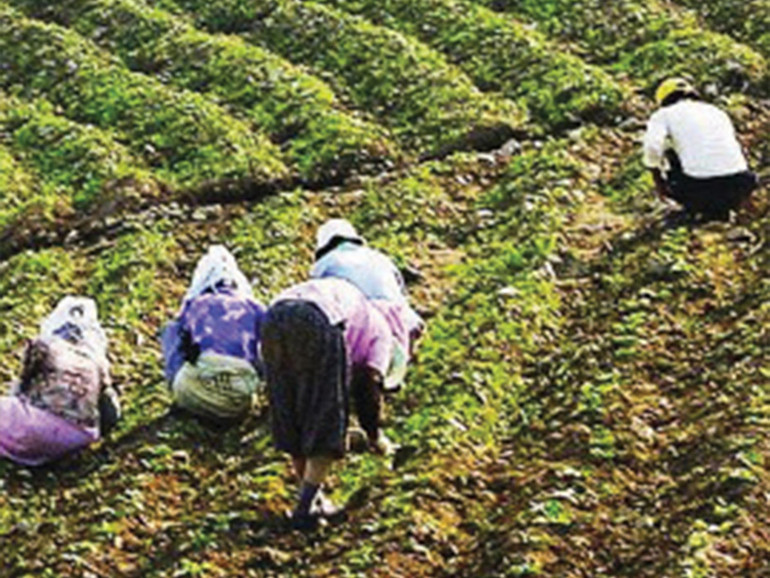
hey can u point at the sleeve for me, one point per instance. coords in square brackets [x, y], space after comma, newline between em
[380, 342]
[319, 269]
[366, 391]
[109, 403]
[655, 141]
[176, 343]
[32, 365]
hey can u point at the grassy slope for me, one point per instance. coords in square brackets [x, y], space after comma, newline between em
[77, 168]
[504, 55]
[564, 417]
[187, 138]
[747, 21]
[431, 106]
[293, 107]
[645, 40]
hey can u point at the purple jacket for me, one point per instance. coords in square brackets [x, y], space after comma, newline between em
[221, 322]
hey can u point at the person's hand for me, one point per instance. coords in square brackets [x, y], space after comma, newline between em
[382, 446]
[662, 189]
[357, 441]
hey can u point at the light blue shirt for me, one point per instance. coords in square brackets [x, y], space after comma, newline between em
[371, 271]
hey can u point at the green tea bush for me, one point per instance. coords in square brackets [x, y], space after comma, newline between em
[600, 30]
[698, 55]
[18, 186]
[634, 35]
[432, 107]
[78, 171]
[748, 21]
[74, 159]
[501, 308]
[188, 139]
[500, 54]
[297, 110]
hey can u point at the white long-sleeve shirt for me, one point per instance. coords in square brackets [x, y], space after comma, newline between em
[702, 136]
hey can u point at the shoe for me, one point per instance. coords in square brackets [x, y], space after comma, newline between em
[323, 507]
[676, 219]
[305, 522]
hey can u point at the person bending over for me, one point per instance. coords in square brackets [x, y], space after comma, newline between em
[695, 158]
[210, 349]
[324, 346]
[64, 399]
[342, 253]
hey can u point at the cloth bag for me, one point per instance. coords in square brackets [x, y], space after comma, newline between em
[218, 385]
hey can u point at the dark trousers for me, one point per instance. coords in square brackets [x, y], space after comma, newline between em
[713, 197]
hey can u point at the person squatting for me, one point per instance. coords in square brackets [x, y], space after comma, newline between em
[695, 158]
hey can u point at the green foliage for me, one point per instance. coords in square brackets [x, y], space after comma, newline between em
[499, 304]
[186, 138]
[500, 54]
[646, 40]
[80, 162]
[707, 58]
[592, 387]
[294, 108]
[18, 185]
[602, 30]
[747, 21]
[431, 107]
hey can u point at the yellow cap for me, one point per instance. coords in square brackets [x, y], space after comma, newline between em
[670, 86]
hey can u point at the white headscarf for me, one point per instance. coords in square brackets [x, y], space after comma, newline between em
[82, 313]
[216, 266]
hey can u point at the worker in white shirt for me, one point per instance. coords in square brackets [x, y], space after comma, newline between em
[693, 153]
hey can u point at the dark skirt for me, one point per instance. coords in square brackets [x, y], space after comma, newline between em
[306, 371]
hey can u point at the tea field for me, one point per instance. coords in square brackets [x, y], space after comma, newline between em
[592, 397]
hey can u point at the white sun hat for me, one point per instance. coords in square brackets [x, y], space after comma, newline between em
[336, 229]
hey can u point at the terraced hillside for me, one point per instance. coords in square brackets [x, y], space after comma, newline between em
[592, 397]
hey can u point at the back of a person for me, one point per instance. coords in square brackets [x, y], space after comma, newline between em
[65, 379]
[32, 436]
[325, 350]
[374, 274]
[704, 139]
[368, 269]
[224, 323]
[210, 349]
[64, 399]
[341, 301]
[220, 378]
[345, 305]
